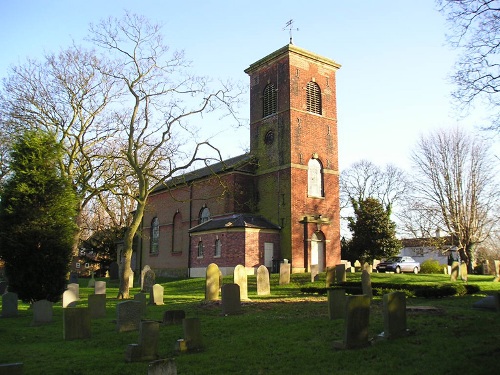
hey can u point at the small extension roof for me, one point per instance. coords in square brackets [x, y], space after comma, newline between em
[235, 221]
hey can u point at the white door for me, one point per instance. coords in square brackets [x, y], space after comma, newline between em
[268, 254]
[318, 251]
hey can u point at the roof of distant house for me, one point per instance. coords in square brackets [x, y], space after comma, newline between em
[235, 221]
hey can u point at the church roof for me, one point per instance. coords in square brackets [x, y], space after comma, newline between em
[235, 221]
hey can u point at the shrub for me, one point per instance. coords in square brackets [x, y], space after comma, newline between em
[431, 266]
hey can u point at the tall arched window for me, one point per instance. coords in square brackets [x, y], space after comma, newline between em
[177, 243]
[270, 100]
[218, 248]
[314, 179]
[313, 98]
[154, 236]
[204, 215]
[200, 249]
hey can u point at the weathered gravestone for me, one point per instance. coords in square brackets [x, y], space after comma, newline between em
[240, 278]
[336, 303]
[145, 269]
[91, 283]
[149, 281]
[172, 317]
[263, 284]
[357, 317]
[357, 266]
[340, 273]
[162, 367]
[394, 310]
[496, 264]
[3, 287]
[330, 276]
[231, 303]
[314, 272]
[284, 273]
[192, 333]
[97, 305]
[463, 271]
[367, 267]
[147, 348]
[131, 279]
[128, 316]
[69, 298]
[366, 283]
[76, 323]
[114, 271]
[212, 282]
[11, 368]
[142, 298]
[9, 305]
[376, 262]
[156, 295]
[454, 271]
[75, 288]
[42, 312]
[100, 287]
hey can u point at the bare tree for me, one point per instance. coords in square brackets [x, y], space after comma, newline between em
[160, 95]
[455, 176]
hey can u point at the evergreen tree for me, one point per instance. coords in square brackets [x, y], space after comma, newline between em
[373, 232]
[37, 219]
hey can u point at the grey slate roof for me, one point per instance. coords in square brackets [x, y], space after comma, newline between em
[235, 221]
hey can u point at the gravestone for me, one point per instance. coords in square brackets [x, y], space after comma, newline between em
[173, 317]
[3, 287]
[147, 348]
[357, 266]
[330, 276]
[156, 295]
[100, 287]
[367, 267]
[231, 302]
[192, 333]
[91, 283]
[463, 271]
[357, 317]
[149, 281]
[284, 273]
[212, 282]
[240, 278]
[394, 310]
[11, 368]
[454, 271]
[42, 312]
[128, 316]
[76, 323]
[9, 305]
[340, 273]
[162, 367]
[496, 264]
[131, 279]
[336, 303]
[366, 283]
[97, 305]
[75, 288]
[263, 284]
[314, 272]
[376, 262]
[114, 271]
[142, 299]
[145, 269]
[69, 299]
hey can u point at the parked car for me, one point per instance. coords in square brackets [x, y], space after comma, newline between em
[399, 264]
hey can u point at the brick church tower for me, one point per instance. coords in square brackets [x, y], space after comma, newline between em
[293, 135]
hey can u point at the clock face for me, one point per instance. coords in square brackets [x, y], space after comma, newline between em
[269, 137]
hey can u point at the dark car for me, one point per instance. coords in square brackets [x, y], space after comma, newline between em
[398, 265]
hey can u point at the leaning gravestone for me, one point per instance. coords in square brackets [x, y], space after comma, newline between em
[314, 272]
[147, 348]
[366, 283]
[263, 285]
[100, 287]
[173, 317]
[97, 305]
[231, 302]
[240, 278]
[330, 276]
[128, 316]
[75, 288]
[192, 333]
[69, 298]
[149, 281]
[212, 282]
[9, 305]
[114, 271]
[454, 271]
[336, 303]
[340, 273]
[394, 308]
[42, 312]
[357, 317]
[284, 273]
[156, 295]
[162, 367]
[145, 269]
[76, 323]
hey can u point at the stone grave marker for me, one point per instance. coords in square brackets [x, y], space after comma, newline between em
[357, 266]
[142, 298]
[314, 272]
[173, 317]
[366, 283]
[42, 312]
[394, 310]
[162, 367]
[231, 302]
[463, 271]
[3, 287]
[11, 368]
[114, 271]
[156, 295]
[336, 304]
[284, 273]
[496, 264]
[76, 323]
[75, 288]
[340, 275]
[149, 281]
[330, 276]
[147, 348]
[100, 287]
[69, 299]
[367, 267]
[212, 282]
[192, 333]
[263, 284]
[131, 279]
[10, 304]
[97, 305]
[356, 322]
[145, 269]
[91, 283]
[376, 262]
[454, 271]
[128, 316]
[240, 278]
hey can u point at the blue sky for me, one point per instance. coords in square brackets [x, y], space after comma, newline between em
[393, 84]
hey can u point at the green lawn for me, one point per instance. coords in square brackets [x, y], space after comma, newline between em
[287, 332]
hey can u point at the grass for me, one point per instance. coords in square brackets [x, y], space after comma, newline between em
[287, 332]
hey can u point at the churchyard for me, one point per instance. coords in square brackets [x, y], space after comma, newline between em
[291, 330]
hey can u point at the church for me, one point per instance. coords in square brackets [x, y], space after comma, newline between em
[277, 203]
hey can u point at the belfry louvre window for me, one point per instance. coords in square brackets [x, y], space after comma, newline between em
[313, 98]
[270, 100]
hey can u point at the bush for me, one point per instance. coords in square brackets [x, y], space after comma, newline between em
[431, 266]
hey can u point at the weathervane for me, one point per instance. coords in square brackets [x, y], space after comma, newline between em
[289, 26]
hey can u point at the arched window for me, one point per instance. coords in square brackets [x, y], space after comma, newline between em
[154, 236]
[270, 100]
[200, 249]
[177, 243]
[218, 248]
[314, 179]
[204, 215]
[313, 98]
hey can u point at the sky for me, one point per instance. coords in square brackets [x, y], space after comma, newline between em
[393, 85]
